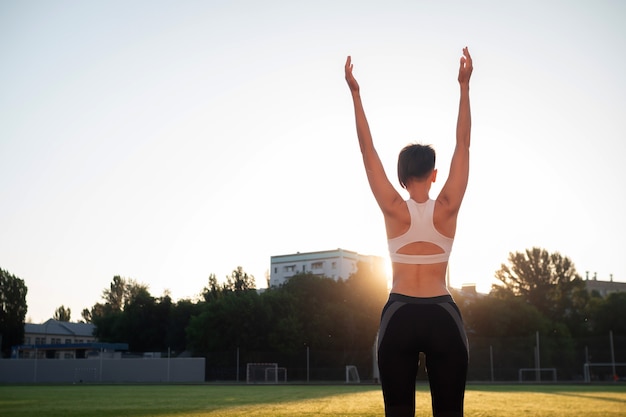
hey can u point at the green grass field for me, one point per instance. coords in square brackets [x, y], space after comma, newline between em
[298, 400]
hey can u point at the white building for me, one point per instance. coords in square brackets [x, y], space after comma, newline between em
[604, 288]
[336, 264]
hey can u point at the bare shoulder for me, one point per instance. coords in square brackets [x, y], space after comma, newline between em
[445, 215]
[397, 218]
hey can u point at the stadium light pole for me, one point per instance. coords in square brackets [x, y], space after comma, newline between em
[612, 354]
[101, 354]
[237, 364]
[307, 364]
[169, 356]
[35, 367]
[491, 360]
[538, 359]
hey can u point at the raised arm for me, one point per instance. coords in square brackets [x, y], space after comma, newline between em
[385, 194]
[453, 190]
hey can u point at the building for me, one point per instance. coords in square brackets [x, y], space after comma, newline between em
[60, 340]
[58, 332]
[336, 264]
[604, 288]
[63, 352]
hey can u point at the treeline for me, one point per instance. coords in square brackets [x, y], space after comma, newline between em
[539, 294]
[12, 311]
[542, 300]
[308, 311]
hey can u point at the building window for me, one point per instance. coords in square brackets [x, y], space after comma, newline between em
[68, 341]
[275, 270]
[290, 268]
[317, 265]
[334, 265]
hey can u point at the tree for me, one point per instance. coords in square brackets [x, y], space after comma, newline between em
[550, 284]
[547, 281]
[109, 318]
[285, 333]
[142, 323]
[12, 311]
[608, 314]
[86, 315]
[500, 318]
[116, 294]
[62, 314]
[313, 300]
[237, 319]
[366, 295]
[108, 323]
[333, 316]
[213, 291]
[121, 291]
[239, 280]
[179, 317]
[130, 314]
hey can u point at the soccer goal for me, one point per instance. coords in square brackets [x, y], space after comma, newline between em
[265, 373]
[352, 375]
[607, 371]
[537, 374]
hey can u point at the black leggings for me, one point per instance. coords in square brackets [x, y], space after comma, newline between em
[411, 325]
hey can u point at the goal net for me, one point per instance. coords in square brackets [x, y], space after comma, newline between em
[604, 371]
[537, 374]
[352, 375]
[265, 373]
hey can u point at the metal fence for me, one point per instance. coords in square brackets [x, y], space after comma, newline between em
[500, 359]
[536, 358]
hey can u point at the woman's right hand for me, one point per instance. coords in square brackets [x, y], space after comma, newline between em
[354, 86]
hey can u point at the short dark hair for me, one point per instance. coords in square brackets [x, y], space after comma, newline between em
[415, 161]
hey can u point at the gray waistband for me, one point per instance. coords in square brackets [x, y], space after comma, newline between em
[421, 300]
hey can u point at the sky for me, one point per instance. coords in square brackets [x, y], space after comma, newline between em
[164, 141]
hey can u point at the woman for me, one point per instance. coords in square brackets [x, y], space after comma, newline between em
[420, 315]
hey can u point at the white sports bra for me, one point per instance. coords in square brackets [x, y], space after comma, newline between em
[422, 229]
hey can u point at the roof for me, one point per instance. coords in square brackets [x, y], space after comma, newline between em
[326, 254]
[60, 328]
[605, 287]
[74, 346]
